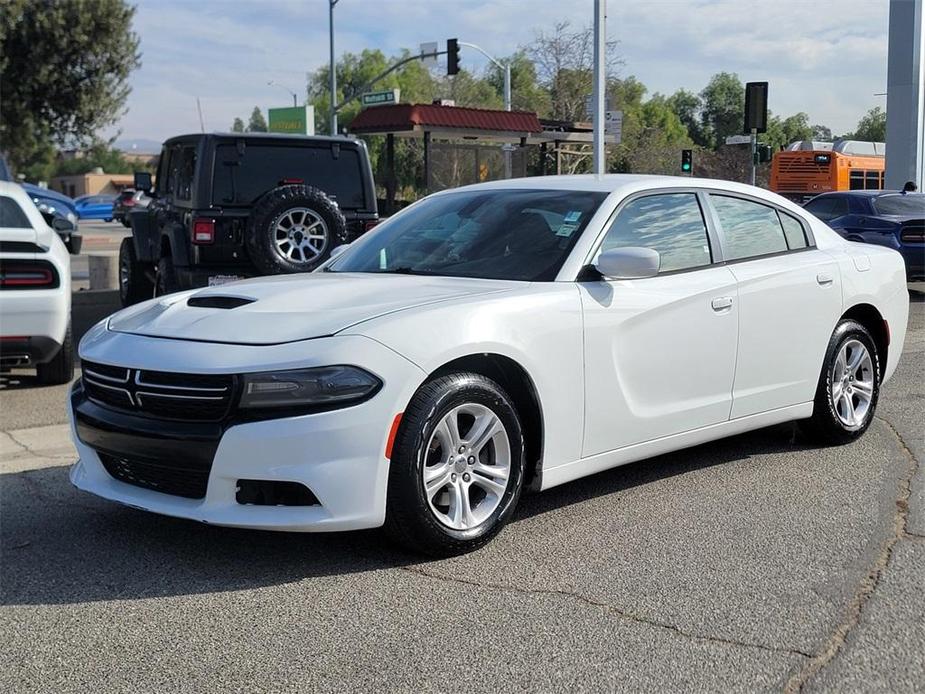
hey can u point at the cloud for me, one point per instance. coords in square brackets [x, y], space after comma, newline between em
[827, 57]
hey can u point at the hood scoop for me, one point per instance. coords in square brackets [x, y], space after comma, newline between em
[213, 301]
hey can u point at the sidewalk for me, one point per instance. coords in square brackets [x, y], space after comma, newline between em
[36, 448]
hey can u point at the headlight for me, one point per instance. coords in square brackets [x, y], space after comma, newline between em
[327, 385]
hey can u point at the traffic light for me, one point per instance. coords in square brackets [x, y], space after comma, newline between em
[687, 160]
[764, 154]
[452, 56]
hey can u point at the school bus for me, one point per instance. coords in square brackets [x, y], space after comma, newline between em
[807, 168]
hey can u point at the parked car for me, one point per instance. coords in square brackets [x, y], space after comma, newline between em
[484, 340]
[240, 205]
[882, 217]
[126, 202]
[95, 207]
[58, 211]
[35, 290]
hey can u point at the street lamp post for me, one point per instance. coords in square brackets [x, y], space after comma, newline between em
[295, 101]
[506, 68]
[331, 4]
[600, 77]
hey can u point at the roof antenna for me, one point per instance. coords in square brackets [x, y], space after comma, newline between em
[202, 125]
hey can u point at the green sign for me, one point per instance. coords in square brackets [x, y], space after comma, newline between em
[291, 119]
[390, 96]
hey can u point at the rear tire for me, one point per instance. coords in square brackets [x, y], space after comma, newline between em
[848, 388]
[60, 369]
[293, 228]
[165, 281]
[134, 285]
[457, 466]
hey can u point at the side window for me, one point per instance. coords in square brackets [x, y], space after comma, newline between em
[671, 224]
[856, 180]
[822, 208]
[749, 228]
[839, 207]
[872, 181]
[12, 216]
[163, 167]
[186, 167]
[793, 231]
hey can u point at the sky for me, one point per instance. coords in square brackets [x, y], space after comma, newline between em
[825, 57]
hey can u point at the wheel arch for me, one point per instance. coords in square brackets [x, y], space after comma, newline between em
[871, 318]
[517, 383]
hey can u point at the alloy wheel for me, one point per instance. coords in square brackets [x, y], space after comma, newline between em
[300, 235]
[852, 384]
[467, 466]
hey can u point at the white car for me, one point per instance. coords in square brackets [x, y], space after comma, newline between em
[513, 334]
[35, 291]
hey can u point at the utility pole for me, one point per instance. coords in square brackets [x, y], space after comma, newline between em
[331, 4]
[600, 75]
[506, 68]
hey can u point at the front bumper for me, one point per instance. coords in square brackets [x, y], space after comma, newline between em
[339, 455]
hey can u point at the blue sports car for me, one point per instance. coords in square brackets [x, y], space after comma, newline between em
[884, 217]
[95, 206]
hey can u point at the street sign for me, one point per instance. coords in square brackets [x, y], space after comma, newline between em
[297, 120]
[738, 139]
[613, 125]
[429, 53]
[389, 96]
[589, 106]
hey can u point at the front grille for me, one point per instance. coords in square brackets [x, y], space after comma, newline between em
[179, 478]
[160, 394]
[913, 232]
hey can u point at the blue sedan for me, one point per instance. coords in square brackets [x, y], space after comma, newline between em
[95, 206]
[883, 217]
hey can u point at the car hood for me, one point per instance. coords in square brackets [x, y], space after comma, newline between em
[287, 308]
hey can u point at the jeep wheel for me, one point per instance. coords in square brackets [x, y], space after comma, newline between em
[165, 281]
[293, 229]
[134, 285]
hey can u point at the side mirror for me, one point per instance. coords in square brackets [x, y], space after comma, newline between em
[630, 263]
[337, 250]
[62, 224]
[143, 181]
[74, 243]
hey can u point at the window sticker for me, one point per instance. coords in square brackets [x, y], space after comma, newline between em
[572, 216]
[566, 230]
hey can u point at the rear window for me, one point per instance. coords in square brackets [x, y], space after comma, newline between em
[242, 179]
[910, 203]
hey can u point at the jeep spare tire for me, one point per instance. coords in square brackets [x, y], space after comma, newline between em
[293, 228]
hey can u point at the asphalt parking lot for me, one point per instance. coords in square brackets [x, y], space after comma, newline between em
[757, 563]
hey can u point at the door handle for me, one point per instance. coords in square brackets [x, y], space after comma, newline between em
[721, 303]
[824, 278]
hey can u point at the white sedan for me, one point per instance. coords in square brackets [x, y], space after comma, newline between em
[35, 290]
[507, 335]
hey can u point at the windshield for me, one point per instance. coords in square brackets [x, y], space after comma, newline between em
[489, 234]
[903, 204]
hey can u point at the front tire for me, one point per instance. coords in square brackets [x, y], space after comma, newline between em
[848, 388]
[457, 466]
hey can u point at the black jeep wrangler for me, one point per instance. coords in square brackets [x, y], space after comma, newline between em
[235, 205]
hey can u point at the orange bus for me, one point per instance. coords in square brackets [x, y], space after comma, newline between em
[807, 168]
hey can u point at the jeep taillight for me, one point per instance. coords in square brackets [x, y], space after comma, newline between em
[369, 224]
[203, 231]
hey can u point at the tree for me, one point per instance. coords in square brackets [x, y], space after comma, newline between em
[871, 127]
[782, 132]
[564, 63]
[98, 155]
[822, 133]
[237, 126]
[687, 106]
[257, 123]
[64, 67]
[526, 92]
[723, 107]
